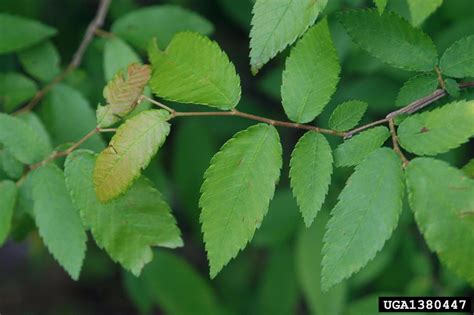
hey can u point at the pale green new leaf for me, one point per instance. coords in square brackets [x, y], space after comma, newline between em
[310, 173]
[347, 115]
[458, 60]
[41, 61]
[8, 193]
[354, 150]
[117, 56]
[439, 130]
[130, 150]
[420, 10]
[128, 226]
[236, 192]
[161, 22]
[415, 88]
[21, 140]
[442, 199]
[308, 256]
[277, 24]
[15, 89]
[58, 221]
[381, 5]
[391, 39]
[311, 75]
[194, 69]
[364, 217]
[19, 32]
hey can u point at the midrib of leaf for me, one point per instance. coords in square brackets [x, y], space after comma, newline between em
[460, 61]
[251, 162]
[314, 167]
[306, 97]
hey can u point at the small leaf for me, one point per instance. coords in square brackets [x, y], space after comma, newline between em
[442, 199]
[415, 88]
[458, 61]
[236, 192]
[347, 115]
[194, 69]
[452, 87]
[381, 5]
[310, 173]
[58, 222]
[277, 24]
[311, 75]
[38, 127]
[129, 151]
[391, 39]
[439, 130]
[421, 10]
[41, 61]
[117, 57]
[365, 216]
[128, 226]
[31, 31]
[468, 169]
[21, 140]
[8, 193]
[161, 22]
[354, 150]
[15, 89]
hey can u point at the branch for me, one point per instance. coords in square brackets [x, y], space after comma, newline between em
[95, 24]
[396, 147]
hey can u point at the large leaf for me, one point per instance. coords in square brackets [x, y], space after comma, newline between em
[19, 32]
[193, 69]
[354, 150]
[128, 226]
[347, 115]
[161, 22]
[15, 89]
[308, 256]
[277, 24]
[421, 10]
[311, 75]
[41, 61]
[439, 130]
[129, 151]
[442, 198]
[415, 88]
[21, 140]
[391, 39]
[236, 192]
[58, 222]
[8, 193]
[364, 217]
[117, 56]
[310, 173]
[458, 61]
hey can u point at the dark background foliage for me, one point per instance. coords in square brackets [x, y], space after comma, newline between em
[267, 274]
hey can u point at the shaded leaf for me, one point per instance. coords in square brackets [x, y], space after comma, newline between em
[15, 89]
[8, 194]
[458, 61]
[415, 88]
[118, 55]
[41, 61]
[468, 169]
[347, 115]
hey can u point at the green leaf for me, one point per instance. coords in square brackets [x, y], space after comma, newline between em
[452, 87]
[356, 149]
[117, 56]
[58, 222]
[19, 33]
[309, 245]
[442, 199]
[358, 228]
[458, 61]
[381, 5]
[41, 61]
[305, 91]
[347, 115]
[421, 10]
[161, 22]
[68, 117]
[15, 89]
[468, 169]
[130, 150]
[193, 69]
[21, 140]
[277, 24]
[236, 192]
[310, 173]
[128, 226]
[12, 167]
[391, 39]
[415, 88]
[8, 193]
[32, 120]
[439, 130]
